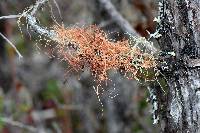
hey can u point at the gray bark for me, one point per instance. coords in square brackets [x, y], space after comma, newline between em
[180, 105]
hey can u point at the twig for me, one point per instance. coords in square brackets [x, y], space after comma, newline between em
[5, 38]
[10, 17]
[20, 56]
[18, 124]
[58, 8]
[36, 6]
[121, 21]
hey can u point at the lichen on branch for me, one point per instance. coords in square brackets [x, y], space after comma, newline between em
[90, 47]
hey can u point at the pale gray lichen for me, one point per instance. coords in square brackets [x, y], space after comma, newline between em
[175, 110]
[157, 19]
[154, 102]
[156, 34]
[41, 30]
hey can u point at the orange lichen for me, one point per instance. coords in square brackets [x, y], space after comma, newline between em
[90, 47]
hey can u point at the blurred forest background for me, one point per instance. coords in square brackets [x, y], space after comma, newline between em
[38, 95]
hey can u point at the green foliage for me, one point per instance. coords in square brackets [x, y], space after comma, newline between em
[52, 91]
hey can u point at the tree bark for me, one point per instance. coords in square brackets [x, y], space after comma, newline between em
[179, 27]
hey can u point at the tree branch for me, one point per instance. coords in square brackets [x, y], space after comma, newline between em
[18, 124]
[20, 56]
[10, 17]
[121, 21]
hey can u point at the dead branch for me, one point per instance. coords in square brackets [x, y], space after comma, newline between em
[20, 56]
[121, 21]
